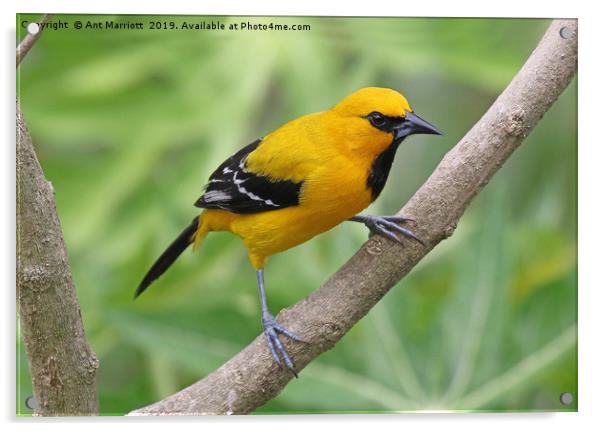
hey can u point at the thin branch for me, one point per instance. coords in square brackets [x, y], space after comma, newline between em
[62, 365]
[251, 378]
[29, 40]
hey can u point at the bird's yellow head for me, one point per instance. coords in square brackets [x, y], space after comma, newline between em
[373, 118]
[373, 99]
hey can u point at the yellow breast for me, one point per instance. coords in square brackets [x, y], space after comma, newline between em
[328, 197]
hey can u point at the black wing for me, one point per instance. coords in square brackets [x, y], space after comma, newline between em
[232, 188]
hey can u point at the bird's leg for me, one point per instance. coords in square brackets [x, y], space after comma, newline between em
[386, 225]
[271, 329]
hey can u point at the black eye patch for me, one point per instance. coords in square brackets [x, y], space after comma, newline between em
[384, 122]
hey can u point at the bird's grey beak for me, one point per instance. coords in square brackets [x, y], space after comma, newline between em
[412, 124]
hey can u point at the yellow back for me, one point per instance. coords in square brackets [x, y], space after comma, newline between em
[298, 148]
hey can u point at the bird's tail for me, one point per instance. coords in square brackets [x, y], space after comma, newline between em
[193, 233]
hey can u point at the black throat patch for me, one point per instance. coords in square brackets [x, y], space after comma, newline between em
[379, 172]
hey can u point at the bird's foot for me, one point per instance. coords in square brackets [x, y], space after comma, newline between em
[387, 225]
[271, 330]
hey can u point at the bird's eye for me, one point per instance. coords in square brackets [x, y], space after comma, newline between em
[377, 119]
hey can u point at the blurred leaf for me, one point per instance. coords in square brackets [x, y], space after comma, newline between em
[199, 353]
[520, 375]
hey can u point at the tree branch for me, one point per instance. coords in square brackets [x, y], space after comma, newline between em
[62, 365]
[29, 40]
[251, 378]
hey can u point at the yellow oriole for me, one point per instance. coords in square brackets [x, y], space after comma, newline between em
[301, 180]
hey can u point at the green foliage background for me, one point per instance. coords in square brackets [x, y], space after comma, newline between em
[128, 125]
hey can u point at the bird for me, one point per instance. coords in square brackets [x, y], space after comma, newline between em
[299, 181]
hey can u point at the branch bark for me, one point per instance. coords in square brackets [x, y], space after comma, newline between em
[62, 365]
[30, 39]
[251, 378]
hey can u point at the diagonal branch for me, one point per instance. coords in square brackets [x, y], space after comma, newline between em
[29, 40]
[62, 365]
[251, 378]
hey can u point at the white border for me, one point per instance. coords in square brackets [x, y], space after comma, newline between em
[461, 8]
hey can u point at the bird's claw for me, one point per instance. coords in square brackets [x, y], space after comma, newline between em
[385, 225]
[271, 330]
